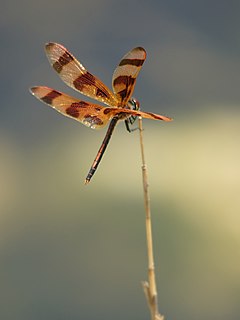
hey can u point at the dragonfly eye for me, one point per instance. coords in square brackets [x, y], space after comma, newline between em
[134, 104]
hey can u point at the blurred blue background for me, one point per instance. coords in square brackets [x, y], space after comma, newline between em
[68, 251]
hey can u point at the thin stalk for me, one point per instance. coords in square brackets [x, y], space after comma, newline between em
[149, 287]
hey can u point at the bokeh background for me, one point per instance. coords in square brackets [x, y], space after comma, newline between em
[68, 251]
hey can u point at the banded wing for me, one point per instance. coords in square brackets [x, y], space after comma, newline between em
[147, 115]
[124, 77]
[73, 73]
[91, 115]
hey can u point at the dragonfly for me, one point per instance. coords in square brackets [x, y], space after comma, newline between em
[121, 106]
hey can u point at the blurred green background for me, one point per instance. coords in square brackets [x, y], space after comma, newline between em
[68, 251]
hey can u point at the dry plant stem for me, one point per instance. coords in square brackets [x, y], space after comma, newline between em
[149, 287]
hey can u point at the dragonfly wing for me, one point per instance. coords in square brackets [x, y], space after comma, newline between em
[91, 115]
[73, 73]
[124, 76]
[123, 114]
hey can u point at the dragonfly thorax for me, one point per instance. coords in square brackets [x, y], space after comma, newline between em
[133, 104]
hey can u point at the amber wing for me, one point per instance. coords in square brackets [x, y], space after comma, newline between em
[91, 115]
[124, 77]
[73, 73]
